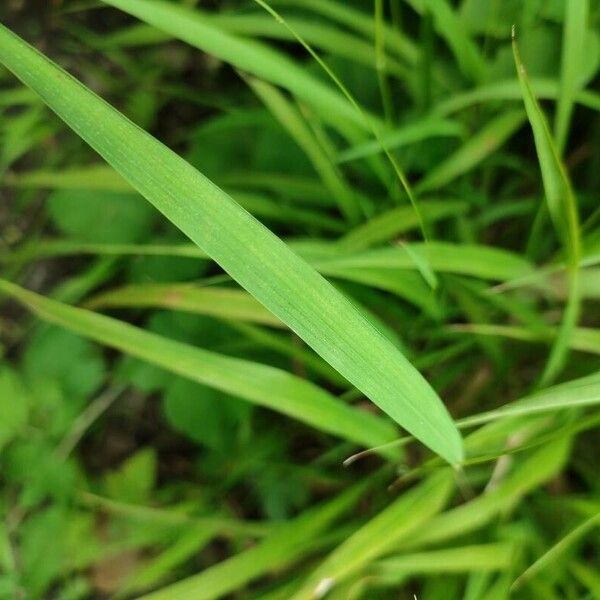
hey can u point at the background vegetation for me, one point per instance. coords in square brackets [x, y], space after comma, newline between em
[171, 438]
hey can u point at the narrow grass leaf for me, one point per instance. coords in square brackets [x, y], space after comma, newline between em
[573, 45]
[403, 517]
[553, 556]
[484, 262]
[291, 541]
[540, 466]
[510, 90]
[224, 303]
[562, 206]
[483, 557]
[249, 252]
[293, 122]
[254, 382]
[251, 56]
[411, 133]
[389, 224]
[474, 151]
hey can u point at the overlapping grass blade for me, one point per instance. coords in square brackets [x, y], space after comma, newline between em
[250, 56]
[293, 122]
[452, 29]
[474, 151]
[540, 466]
[553, 555]
[251, 254]
[224, 303]
[257, 383]
[483, 557]
[510, 90]
[480, 261]
[562, 206]
[411, 133]
[291, 541]
[389, 224]
[573, 44]
[404, 516]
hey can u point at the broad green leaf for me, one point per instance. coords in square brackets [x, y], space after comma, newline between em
[251, 254]
[474, 151]
[224, 303]
[562, 206]
[109, 217]
[256, 383]
[251, 56]
[134, 479]
[402, 518]
[205, 415]
[291, 541]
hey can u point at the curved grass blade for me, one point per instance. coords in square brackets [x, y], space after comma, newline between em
[253, 256]
[411, 133]
[562, 206]
[474, 151]
[484, 557]
[387, 225]
[224, 303]
[510, 90]
[251, 56]
[550, 557]
[379, 535]
[574, 30]
[293, 122]
[257, 383]
[291, 541]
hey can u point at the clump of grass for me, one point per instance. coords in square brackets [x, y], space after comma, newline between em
[369, 224]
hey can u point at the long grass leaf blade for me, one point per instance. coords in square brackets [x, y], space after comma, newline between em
[562, 206]
[257, 383]
[250, 253]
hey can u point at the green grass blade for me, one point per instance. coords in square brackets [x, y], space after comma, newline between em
[485, 262]
[223, 303]
[452, 29]
[256, 383]
[410, 133]
[386, 226]
[404, 516]
[250, 56]
[539, 467]
[562, 206]
[291, 541]
[293, 122]
[553, 555]
[573, 43]
[510, 90]
[474, 151]
[258, 260]
[484, 557]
